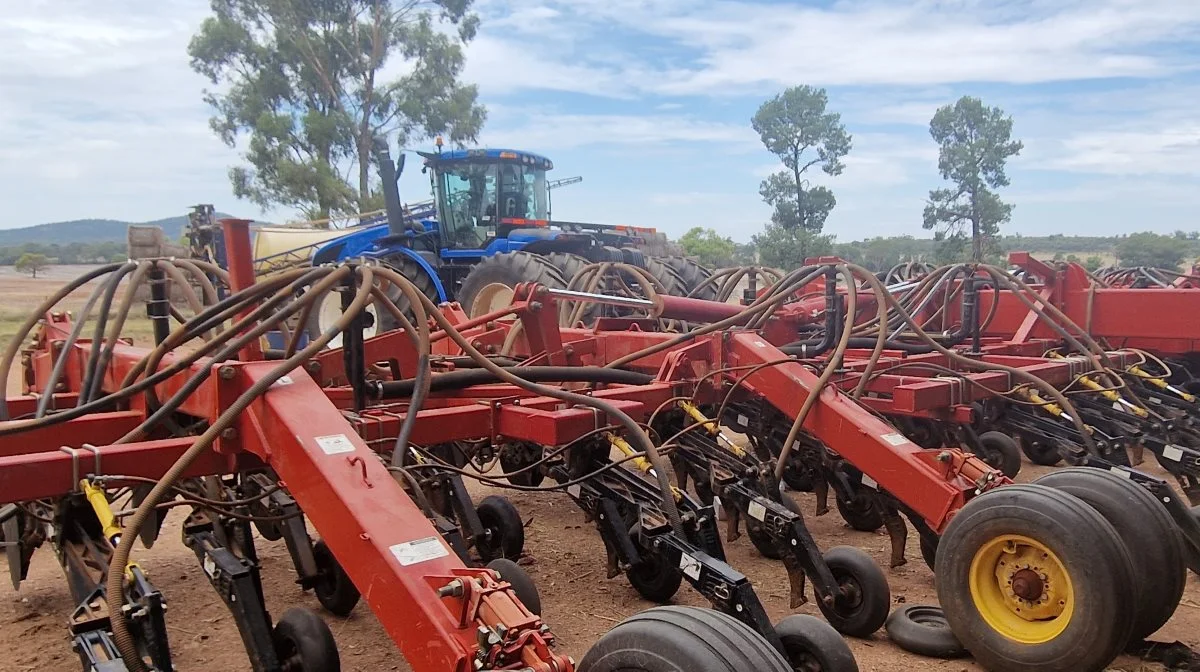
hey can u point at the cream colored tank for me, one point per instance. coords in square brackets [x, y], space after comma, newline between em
[288, 246]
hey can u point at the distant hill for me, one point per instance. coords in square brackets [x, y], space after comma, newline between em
[85, 231]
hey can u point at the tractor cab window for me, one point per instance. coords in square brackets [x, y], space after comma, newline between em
[478, 196]
[469, 193]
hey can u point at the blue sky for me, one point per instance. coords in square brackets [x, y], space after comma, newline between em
[650, 101]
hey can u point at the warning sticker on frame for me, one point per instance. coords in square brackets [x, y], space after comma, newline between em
[335, 444]
[690, 566]
[421, 550]
[757, 510]
[895, 438]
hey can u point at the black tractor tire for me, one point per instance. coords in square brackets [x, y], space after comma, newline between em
[522, 584]
[812, 645]
[304, 642]
[693, 274]
[923, 630]
[672, 283]
[866, 594]
[568, 264]
[1000, 451]
[503, 532]
[334, 589]
[1148, 531]
[509, 269]
[1033, 528]
[1045, 454]
[682, 639]
[860, 513]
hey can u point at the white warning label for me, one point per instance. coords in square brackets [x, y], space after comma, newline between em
[413, 552]
[335, 444]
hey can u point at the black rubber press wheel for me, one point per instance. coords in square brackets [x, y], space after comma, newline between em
[812, 645]
[682, 639]
[1001, 452]
[304, 643]
[865, 596]
[522, 584]
[1045, 454]
[503, 532]
[335, 591]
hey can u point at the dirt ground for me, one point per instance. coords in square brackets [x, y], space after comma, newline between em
[565, 558]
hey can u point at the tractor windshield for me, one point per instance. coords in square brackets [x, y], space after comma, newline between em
[476, 196]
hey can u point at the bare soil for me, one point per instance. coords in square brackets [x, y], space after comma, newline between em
[565, 558]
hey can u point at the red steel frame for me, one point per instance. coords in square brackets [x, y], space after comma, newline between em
[299, 429]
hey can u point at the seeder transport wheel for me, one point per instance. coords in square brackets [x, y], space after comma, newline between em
[865, 597]
[682, 639]
[1149, 535]
[335, 591]
[1031, 578]
[304, 643]
[812, 645]
[1000, 451]
[503, 532]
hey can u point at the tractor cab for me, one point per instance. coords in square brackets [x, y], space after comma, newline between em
[483, 195]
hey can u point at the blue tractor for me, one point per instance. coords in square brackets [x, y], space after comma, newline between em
[489, 229]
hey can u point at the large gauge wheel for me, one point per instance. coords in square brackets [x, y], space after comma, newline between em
[693, 275]
[380, 319]
[489, 286]
[1031, 578]
[682, 639]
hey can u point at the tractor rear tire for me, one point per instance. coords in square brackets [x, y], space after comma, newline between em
[682, 639]
[693, 275]
[489, 285]
[1149, 534]
[1074, 573]
[672, 283]
[568, 264]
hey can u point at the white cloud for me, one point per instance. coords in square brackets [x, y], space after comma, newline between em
[567, 131]
[1163, 151]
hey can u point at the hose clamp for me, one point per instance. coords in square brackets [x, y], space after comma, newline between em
[96, 458]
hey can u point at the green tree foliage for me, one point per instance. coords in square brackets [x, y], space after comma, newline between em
[1150, 249]
[795, 127]
[708, 247]
[32, 263]
[975, 143]
[304, 80]
[787, 248]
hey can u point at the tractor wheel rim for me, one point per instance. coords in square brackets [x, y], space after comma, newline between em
[330, 312]
[491, 297]
[1021, 589]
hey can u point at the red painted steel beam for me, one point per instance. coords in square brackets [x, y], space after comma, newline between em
[383, 541]
[96, 429]
[52, 473]
[933, 488]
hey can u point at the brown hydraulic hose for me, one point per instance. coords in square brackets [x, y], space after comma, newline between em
[831, 366]
[122, 637]
[114, 332]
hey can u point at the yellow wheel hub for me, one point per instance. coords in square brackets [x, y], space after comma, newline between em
[1021, 589]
